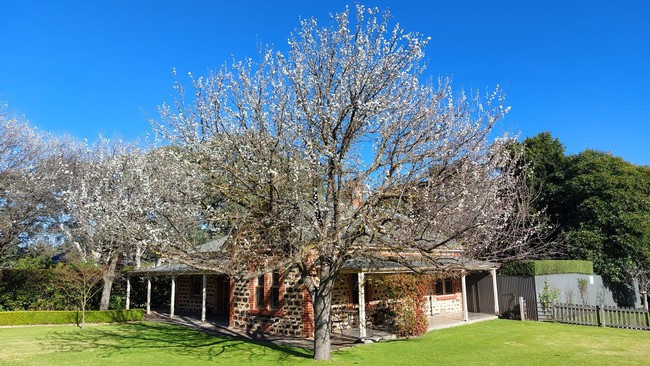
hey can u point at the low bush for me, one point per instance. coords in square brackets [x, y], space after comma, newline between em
[69, 317]
[547, 267]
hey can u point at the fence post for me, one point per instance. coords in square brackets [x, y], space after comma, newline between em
[522, 312]
[601, 314]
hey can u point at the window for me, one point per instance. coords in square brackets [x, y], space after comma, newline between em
[197, 286]
[444, 287]
[449, 287]
[354, 284]
[275, 290]
[266, 292]
[259, 292]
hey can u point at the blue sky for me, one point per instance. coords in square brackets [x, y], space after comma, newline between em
[580, 69]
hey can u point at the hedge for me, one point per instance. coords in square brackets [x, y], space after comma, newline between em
[547, 267]
[69, 317]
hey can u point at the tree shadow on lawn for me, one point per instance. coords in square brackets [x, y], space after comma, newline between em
[107, 341]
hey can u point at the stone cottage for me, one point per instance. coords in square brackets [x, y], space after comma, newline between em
[277, 302]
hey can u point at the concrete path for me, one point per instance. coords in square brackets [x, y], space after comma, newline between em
[454, 320]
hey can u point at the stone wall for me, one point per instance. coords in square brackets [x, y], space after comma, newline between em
[342, 292]
[376, 298]
[294, 316]
[445, 304]
[186, 301]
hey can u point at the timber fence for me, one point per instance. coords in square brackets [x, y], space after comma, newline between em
[604, 316]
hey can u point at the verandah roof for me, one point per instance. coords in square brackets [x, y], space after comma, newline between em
[370, 265]
[355, 265]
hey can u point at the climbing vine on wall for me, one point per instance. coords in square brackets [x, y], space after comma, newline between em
[404, 311]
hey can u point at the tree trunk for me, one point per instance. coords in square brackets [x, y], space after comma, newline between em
[322, 325]
[83, 315]
[109, 276]
[322, 300]
[138, 256]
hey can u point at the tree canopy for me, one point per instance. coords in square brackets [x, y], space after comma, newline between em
[599, 203]
[338, 149]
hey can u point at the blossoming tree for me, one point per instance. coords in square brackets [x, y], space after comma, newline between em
[339, 149]
[121, 199]
[33, 171]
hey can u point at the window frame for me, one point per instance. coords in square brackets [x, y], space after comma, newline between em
[196, 289]
[444, 287]
[260, 296]
[274, 293]
[266, 294]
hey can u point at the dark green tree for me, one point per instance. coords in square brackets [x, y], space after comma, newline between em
[599, 204]
[548, 173]
[610, 218]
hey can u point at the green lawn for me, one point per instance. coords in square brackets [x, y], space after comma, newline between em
[494, 342]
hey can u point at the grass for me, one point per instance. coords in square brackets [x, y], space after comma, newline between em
[507, 342]
[498, 342]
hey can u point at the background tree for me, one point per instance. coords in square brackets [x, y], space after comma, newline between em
[33, 170]
[600, 205]
[81, 280]
[610, 221]
[548, 174]
[337, 149]
[122, 199]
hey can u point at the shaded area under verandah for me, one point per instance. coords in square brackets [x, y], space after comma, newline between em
[353, 322]
[203, 286]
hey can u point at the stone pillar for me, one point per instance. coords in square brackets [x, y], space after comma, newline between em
[362, 305]
[495, 291]
[148, 295]
[128, 292]
[171, 306]
[464, 289]
[204, 296]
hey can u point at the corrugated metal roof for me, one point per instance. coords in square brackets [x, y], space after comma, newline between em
[387, 266]
[169, 269]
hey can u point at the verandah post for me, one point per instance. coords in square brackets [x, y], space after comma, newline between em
[173, 297]
[148, 295]
[128, 292]
[203, 296]
[495, 292]
[362, 305]
[464, 289]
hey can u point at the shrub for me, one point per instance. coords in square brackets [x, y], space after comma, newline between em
[548, 297]
[547, 267]
[35, 289]
[69, 317]
[405, 311]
